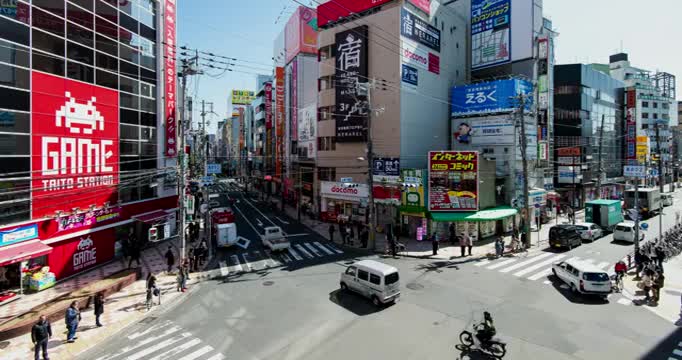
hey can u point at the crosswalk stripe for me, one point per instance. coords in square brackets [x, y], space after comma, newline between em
[603, 265]
[271, 258]
[313, 249]
[294, 254]
[304, 251]
[224, 271]
[144, 341]
[197, 353]
[260, 264]
[500, 264]
[329, 252]
[215, 357]
[539, 265]
[247, 265]
[285, 257]
[541, 274]
[161, 345]
[334, 248]
[237, 267]
[148, 330]
[524, 263]
[483, 262]
[176, 350]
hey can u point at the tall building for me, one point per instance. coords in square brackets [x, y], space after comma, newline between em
[88, 118]
[262, 121]
[588, 124]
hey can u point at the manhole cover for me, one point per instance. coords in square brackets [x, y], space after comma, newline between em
[148, 320]
[414, 286]
[268, 283]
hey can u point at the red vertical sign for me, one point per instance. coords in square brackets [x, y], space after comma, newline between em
[631, 125]
[279, 119]
[169, 76]
[268, 105]
[294, 100]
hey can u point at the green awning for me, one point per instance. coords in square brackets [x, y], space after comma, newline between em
[602, 202]
[492, 214]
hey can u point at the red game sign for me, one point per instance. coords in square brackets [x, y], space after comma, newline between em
[74, 145]
[169, 78]
[81, 253]
[453, 181]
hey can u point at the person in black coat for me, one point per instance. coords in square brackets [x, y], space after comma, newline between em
[40, 334]
[99, 308]
[331, 232]
[660, 256]
[170, 259]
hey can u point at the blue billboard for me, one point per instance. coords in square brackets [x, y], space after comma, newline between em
[489, 97]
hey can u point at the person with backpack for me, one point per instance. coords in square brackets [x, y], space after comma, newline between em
[40, 335]
[170, 259]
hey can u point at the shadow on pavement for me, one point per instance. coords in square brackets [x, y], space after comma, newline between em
[467, 353]
[438, 265]
[664, 348]
[354, 303]
[576, 298]
[621, 243]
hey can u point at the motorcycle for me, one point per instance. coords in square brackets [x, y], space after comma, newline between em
[493, 347]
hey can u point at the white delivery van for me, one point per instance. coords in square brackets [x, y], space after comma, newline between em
[226, 234]
[372, 279]
[583, 277]
[274, 238]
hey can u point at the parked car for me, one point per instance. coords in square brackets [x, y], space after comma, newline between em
[372, 279]
[583, 278]
[564, 236]
[667, 199]
[274, 239]
[589, 231]
[625, 231]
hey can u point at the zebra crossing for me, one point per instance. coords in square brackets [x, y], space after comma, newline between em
[536, 266]
[164, 341]
[257, 260]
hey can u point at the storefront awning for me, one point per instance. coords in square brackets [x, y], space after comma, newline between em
[23, 251]
[153, 217]
[492, 214]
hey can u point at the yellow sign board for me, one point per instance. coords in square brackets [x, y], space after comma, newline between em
[642, 140]
[242, 97]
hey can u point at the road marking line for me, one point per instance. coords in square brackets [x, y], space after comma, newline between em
[247, 220]
[603, 265]
[197, 353]
[323, 248]
[304, 251]
[333, 247]
[546, 282]
[285, 257]
[224, 271]
[176, 350]
[142, 342]
[257, 264]
[159, 346]
[541, 274]
[500, 264]
[272, 260]
[294, 254]
[237, 267]
[247, 266]
[294, 235]
[263, 215]
[624, 301]
[483, 262]
[313, 249]
[148, 330]
[539, 265]
[524, 263]
[215, 357]
[282, 221]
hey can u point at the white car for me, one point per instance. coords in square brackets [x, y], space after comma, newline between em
[583, 277]
[667, 199]
[372, 279]
[625, 231]
[589, 231]
[274, 239]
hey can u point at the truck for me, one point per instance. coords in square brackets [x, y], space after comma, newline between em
[605, 213]
[223, 227]
[275, 239]
[649, 200]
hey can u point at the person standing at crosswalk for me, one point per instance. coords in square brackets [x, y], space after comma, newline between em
[331, 232]
[71, 318]
[40, 334]
[463, 241]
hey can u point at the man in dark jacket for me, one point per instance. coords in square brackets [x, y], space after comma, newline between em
[170, 259]
[99, 308]
[331, 232]
[40, 334]
[73, 315]
[660, 256]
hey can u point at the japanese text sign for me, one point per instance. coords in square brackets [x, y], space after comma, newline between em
[453, 180]
[169, 78]
[351, 69]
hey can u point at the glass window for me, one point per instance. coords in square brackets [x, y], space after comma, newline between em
[105, 78]
[80, 16]
[11, 121]
[147, 18]
[48, 63]
[148, 119]
[146, 89]
[107, 45]
[148, 134]
[595, 277]
[106, 62]
[130, 147]
[128, 85]
[350, 271]
[13, 31]
[15, 77]
[12, 212]
[130, 116]
[148, 76]
[14, 189]
[363, 275]
[80, 72]
[128, 23]
[106, 28]
[14, 54]
[148, 149]
[48, 43]
[147, 32]
[106, 11]
[129, 8]
[22, 12]
[148, 105]
[130, 132]
[148, 164]
[80, 53]
[129, 69]
[129, 193]
[645, 115]
[391, 278]
[15, 144]
[87, 4]
[129, 54]
[79, 34]
[14, 99]
[645, 104]
[129, 101]
[374, 279]
[48, 22]
[54, 6]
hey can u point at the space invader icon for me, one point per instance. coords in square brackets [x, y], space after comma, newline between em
[73, 113]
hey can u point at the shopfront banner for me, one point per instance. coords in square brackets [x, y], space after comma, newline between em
[453, 181]
[19, 234]
[338, 190]
[81, 253]
[87, 219]
[170, 75]
[489, 97]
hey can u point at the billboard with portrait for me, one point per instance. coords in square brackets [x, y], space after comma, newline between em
[453, 181]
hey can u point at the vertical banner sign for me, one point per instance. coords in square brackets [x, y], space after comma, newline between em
[490, 33]
[268, 105]
[170, 77]
[294, 100]
[351, 69]
[279, 118]
[631, 126]
[74, 145]
[453, 180]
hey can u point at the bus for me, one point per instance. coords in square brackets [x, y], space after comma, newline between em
[649, 200]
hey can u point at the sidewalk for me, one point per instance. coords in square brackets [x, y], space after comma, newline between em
[668, 306]
[120, 309]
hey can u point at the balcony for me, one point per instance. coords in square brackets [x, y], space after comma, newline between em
[328, 67]
[326, 97]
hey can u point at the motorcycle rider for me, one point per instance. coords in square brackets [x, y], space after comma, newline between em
[486, 329]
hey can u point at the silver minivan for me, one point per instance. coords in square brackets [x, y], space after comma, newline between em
[374, 280]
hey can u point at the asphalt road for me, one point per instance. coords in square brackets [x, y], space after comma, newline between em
[279, 309]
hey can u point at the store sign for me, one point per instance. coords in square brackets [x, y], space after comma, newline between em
[434, 63]
[351, 69]
[294, 100]
[386, 167]
[453, 181]
[19, 234]
[268, 106]
[490, 33]
[81, 253]
[300, 33]
[569, 175]
[423, 5]
[280, 118]
[336, 10]
[419, 30]
[414, 55]
[215, 168]
[543, 48]
[242, 97]
[631, 124]
[338, 190]
[494, 130]
[410, 76]
[489, 97]
[75, 145]
[307, 129]
[87, 219]
[637, 171]
[543, 150]
[170, 78]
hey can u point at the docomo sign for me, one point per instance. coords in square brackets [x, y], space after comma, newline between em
[75, 145]
[337, 190]
[169, 77]
[338, 9]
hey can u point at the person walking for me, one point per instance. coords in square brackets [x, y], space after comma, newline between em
[342, 233]
[99, 308]
[180, 278]
[660, 256]
[499, 247]
[470, 243]
[463, 241]
[331, 232]
[71, 318]
[170, 259]
[434, 243]
[658, 283]
[351, 234]
[364, 236]
[134, 254]
[40, 334]
[452, 234]
[203, 253]
[646, 285]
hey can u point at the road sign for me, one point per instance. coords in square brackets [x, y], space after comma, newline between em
[637, 171]
[213, 169]
[644, 226]
[654, 172]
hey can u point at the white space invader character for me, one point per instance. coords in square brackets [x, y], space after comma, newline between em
[73, 113]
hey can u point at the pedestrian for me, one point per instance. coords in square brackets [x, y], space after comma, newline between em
[203, 253]
[470, 243]
[658, 283]
[452, 234]
[134, 254]
[646, 285]
[391, 242]
[331, 232]
[677, 217]
[342, 232]
[71, 318]
[99, 307]
[499, 247]
[170, 259]
[660, 256]
[190, 258]
[463, 241]
[434, 243]
[180, 279]
[40, 334]
[351, 234]
[364, 236]
[639, 264]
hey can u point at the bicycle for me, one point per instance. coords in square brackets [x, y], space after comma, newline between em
[617, 282]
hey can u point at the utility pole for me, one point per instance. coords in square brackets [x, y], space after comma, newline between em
[522, 121]
[599, 169]
[370, 161]
[183, 124]
[660, 181]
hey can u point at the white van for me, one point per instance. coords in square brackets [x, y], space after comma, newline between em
[374, 280]
[583, 278]
[274, 238]
[625, 231]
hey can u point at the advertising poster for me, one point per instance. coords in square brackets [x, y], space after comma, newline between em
[307, 129]
[242, 97]
[418, 30]
[170, 78]
[453, 180]
[351, 69]
[490, 33]
[493, 130]
[410, 77]
[81, 253]
[631, 125]
[18, 234]
[294, 100]
[268, 106]
[489, 97]
[74, 145]
[88, 219]
[414, 55]
[300, 33]
[423, 5]
[279, 119]
[333, 11]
